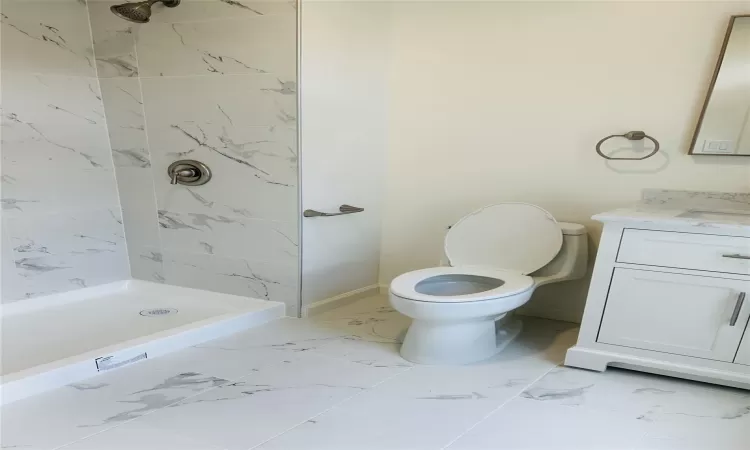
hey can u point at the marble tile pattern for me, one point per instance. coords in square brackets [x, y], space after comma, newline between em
[721, 211]
[336, 381]
[698, 218]
[125, 120]
[114, 42]
[214, 81]
[61, 219]
[47, 36]
[678, 199]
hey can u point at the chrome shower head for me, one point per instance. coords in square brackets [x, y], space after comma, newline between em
[139, 12]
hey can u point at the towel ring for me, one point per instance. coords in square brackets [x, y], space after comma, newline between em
[632, 136]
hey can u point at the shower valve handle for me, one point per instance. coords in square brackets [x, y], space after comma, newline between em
[188, 172]
[182, 173]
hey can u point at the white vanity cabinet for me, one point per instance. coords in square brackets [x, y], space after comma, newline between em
[743, 355]
[679, 314]
[670, 299]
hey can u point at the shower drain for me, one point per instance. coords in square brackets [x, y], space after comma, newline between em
[158, 312]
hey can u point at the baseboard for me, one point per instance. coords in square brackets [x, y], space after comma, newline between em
[544, 315]
[340, 300]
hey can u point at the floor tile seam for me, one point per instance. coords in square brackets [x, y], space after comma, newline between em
[231, 381]
[499, 407]
[201, 392]
[334, 406]
[343, 358]
[144, 415]
[166, 432]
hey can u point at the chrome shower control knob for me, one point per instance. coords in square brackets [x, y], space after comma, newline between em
[188, 172]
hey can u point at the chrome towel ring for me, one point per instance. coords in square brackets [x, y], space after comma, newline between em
[632, 136]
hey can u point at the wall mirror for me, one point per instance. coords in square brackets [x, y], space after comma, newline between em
[724, 124]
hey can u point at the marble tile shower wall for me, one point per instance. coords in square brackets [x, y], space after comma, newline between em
[214, 81]
[61, 220]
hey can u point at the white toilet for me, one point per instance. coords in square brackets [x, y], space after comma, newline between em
[498, 256]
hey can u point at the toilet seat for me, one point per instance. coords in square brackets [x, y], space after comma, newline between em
[511, 236]
[405, 286]
[491, 251]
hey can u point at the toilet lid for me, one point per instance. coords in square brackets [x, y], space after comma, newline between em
[511, 236]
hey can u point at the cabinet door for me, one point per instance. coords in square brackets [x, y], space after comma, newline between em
[681, 314]
[743, 355]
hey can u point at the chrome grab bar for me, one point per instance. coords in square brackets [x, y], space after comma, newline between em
[737, 309]
[344, 209]
[736, 256]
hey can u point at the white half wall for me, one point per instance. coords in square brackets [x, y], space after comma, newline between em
[504, 101]
[343, 139]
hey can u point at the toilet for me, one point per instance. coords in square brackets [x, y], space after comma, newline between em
[497, 256]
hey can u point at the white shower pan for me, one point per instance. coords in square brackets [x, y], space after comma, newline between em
[51, 341]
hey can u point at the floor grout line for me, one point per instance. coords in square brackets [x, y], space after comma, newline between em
[377, 354]
[487, 416]
[318, 354]
[234, 380]
[334, 406]
[229, 381]
[325, 355]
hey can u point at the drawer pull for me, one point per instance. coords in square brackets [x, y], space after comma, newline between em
[736, 256]
[737, 309]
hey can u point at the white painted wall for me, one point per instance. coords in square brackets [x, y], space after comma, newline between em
[504, 101]
[343, 138]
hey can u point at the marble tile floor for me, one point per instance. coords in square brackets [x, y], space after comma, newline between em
[336, 381]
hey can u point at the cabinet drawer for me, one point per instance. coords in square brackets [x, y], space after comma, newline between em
[728, 254]
[689, 315]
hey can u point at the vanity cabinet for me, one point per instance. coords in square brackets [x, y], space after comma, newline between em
[743, 354]
[681, 314]
[669, 299]
[706, 252]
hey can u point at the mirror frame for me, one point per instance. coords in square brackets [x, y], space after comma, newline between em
[711, 86]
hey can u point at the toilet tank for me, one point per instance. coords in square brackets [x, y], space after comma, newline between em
[572, 260]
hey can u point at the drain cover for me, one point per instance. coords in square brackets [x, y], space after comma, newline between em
[158, 312]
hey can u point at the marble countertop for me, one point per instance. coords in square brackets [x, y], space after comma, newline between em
[695, 217]
[727, 211]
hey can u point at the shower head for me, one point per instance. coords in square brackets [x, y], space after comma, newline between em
[139, 12]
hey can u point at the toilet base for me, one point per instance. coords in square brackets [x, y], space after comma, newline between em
[453, 343]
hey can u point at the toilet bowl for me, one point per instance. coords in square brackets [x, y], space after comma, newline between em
[498, 256]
